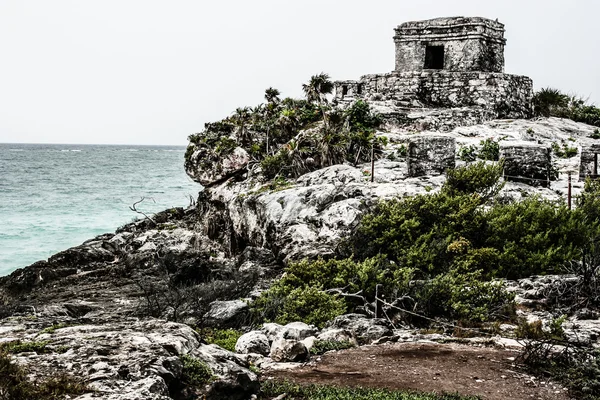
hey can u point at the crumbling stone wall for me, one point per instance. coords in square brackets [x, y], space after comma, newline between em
[589, 159]
[469, 44]
[527, 162]
[431, 155]
[508, 96]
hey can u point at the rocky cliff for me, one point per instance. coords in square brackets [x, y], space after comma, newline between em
[82, 303]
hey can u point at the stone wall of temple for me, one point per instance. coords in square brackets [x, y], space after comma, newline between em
[506, 96]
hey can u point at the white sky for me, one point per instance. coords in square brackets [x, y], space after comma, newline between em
[152, 72]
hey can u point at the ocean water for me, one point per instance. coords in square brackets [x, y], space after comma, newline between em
[53, 197]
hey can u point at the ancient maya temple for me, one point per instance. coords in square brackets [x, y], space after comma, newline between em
[446, 63]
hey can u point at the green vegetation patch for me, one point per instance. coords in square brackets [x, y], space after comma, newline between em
[25, 347]
[323, 346]
[269, 389]
[196, 373]
[225, 338]
[549, 102]
[564, 150]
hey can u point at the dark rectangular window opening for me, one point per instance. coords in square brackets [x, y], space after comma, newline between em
[344, 90]
[359, 89]
[434, 57]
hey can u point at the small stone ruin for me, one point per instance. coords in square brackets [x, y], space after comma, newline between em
[527, 162]
[590, 156]
[431, 155]
[447, 63]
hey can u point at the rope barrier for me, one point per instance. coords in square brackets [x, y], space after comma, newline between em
[448, 324]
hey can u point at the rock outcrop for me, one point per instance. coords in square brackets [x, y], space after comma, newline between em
[228, 247]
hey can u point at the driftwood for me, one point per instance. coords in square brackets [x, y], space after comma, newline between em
[133, 208]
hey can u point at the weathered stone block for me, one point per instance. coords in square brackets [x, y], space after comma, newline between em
[589, 160]
[431, 154]
[527, 162]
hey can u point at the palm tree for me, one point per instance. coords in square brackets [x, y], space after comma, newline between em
[241, 118]
[316, 91]
[272, 95]
[296, 155]
[271, 108]
[288, 120]
[318, 88]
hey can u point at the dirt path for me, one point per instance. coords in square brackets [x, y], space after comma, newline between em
[427, 367]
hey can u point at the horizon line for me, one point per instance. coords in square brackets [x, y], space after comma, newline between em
[94, 144]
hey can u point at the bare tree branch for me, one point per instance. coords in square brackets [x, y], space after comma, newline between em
[133, 208]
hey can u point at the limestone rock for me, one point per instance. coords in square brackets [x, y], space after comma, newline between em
[284, 350]
[365, 330]
[335, 335]
[226, 314]
[132, 358]
[272, 331]
[297, 331]
[208, 168]
[253, 342]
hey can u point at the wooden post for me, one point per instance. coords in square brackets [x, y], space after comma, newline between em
[378, 304]
[373, 163]
[569, 191]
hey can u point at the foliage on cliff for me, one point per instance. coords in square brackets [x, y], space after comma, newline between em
[549, 102]
[438, 254]
[289, 137]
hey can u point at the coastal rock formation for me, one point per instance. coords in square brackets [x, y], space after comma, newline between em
[128, 358]
[206, 167]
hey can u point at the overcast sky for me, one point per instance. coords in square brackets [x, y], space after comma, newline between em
[152, 72]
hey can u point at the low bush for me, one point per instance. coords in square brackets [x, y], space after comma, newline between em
[563, 150]
[195, 373]
[270, 389]
[323, 346]
[465, 296]
[310, 304]
[25, 347]
[467, 153]
[226, 338]
[490, 150]
[550, 102]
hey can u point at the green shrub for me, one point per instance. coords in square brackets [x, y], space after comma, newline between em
[478, 178]
[274, 165]
[564, 151]
[596, 134]
[225, 338]
[225, 146]
[323, 346]
[550, 102]
[402, 151]
[466, 296]
[467, 153]
[490, 150]
[310, 305]
[195, 372]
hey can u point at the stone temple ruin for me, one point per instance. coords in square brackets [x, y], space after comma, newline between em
[451, 67]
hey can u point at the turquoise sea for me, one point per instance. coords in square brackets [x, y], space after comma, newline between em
[53, 197]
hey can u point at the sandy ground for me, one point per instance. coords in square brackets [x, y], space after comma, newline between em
[428, 367]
